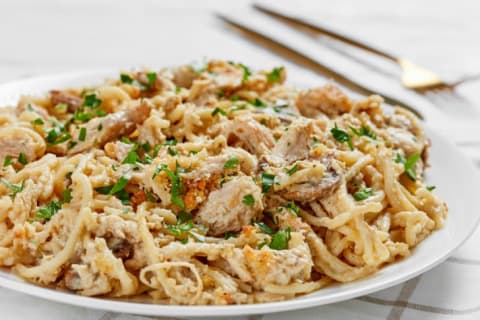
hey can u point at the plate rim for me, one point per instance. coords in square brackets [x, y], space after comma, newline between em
[139, 308]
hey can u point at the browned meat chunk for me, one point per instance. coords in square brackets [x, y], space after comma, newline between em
[112, 126]
[327, 100]
[315, 187]
[183, 76]
[293, 145]
[231, 207]
[73, 102]
[17, 140]
[255, 137]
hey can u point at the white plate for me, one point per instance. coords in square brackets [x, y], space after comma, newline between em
[457, 181]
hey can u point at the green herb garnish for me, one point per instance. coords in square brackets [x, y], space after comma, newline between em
[292, 170]
[91, 101]
[248, 200]
[67, 195]
[280, 239]
[38, 122]
[49, 210]
[341, 136]
[231, 163]
[83, 134]
[22, 158]
[125, 78]
[408, 164]
[246, 72]
[275, 75]
[218, 110]
[363, 194]
[431, 188]
[7, 161]
[292, 207]
[264, 227]
[15, 188]
[258, 103]
[364, 131]
[267, 181]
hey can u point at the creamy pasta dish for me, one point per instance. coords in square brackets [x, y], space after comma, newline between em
[209, 184]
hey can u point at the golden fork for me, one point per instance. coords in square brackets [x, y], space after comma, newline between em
[413, 76]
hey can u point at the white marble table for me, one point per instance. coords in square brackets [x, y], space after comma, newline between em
[48, 36]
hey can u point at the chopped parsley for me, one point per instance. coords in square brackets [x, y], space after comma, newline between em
[172, 151]
[38, 122]
[409, 164]
[246, 72]
[7, 161]
[118, 190]
[275, 75]
[267, 181]
[431, 188]
[22, 158]
[152, 77]
[67, 195]
[177, 188]
[15, 188]
[171, 142]
[231, 163]
[262, 244]
[47, 212]
[258, 103]
[342, 136]
[57, 134]
[61, 108]
[248, 200]
[292, 207]
[363, 194]
[280, 239]
[279, 106]
[125, 78]
[264, 227]
[235, 97]
[364, 131]
[83, 134]
[91, 101]
[292, 170]
[229, 235]
[132, 157]
[238, 107]
[218, 110]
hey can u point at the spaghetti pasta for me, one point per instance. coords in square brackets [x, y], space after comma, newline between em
[217, 185]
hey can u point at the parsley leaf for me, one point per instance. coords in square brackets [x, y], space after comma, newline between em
[231, 163]
[7, 161]
[119, 185]
[280, 239]
[171, 142]
[342, 136]
[431, 188]
[229, 235]
[363, 194]
[238, 107]
[132, 157]
[258, 103]
[125, 78]
[152, 77]
[410, 166]
[267, 181]
[364, 131]
[91, 101]
[246, 72]
[177, 188]
[292, 170]
[235, 97]
[15, 188]
[83, 134]
[292, 207]
[265, 228]
[218, 110]
[38, 122]
[275, 75]
[22, 158]
[67, 195]
[248, 200]
[49, 210]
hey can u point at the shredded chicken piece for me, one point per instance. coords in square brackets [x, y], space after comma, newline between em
[225, 209]
[256, 138]
[72, 101]
[112, 126]
[327, 100]
[19, 140]
[293, 145]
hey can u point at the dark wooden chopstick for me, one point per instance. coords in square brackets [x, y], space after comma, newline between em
[308, 62]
